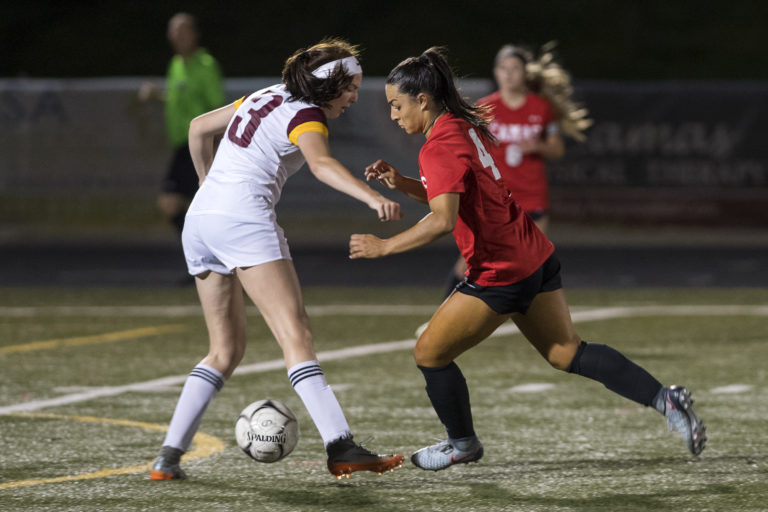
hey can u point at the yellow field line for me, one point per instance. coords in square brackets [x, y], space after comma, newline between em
[204, 446]
[94, 339]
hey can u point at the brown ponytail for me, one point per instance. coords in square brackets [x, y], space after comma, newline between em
[304, 86]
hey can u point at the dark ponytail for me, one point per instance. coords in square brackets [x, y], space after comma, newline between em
[304, 86]
[430, 73]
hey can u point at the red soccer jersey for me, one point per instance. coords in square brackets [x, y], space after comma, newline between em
[525, 175]
[499, 242]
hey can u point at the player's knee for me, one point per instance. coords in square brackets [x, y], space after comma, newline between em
[226, 359]
[561, 355]
[559, 363]
[429, 354]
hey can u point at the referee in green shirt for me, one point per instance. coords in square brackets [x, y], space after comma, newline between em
[193, 86]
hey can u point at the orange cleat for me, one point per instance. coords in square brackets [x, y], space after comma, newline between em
[164, 471]
[345, 457]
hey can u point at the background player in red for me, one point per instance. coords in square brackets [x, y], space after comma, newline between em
[513, 271]
[531, 108]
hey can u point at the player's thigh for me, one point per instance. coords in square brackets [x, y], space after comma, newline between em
[547, 325]
[460, 323]
[221, 298]
[274, 288]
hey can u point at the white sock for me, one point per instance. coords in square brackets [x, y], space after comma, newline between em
[201, 387]
[309, 382]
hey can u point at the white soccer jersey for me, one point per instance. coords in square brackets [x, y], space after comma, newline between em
[257, 154]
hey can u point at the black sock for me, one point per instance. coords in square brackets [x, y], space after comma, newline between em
[448, 392]
[609, 367]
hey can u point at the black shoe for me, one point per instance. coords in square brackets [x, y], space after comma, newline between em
[346, 456]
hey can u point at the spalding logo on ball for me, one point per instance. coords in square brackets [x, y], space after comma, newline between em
[267, 430]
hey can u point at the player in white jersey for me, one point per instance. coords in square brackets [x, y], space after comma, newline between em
[232, 241]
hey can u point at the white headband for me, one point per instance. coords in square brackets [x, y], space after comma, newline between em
[350, 65]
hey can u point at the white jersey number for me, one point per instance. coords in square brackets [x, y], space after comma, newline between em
[514, 155]
[485, 158]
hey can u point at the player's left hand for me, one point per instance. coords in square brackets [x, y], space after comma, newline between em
[366, 246]
[384, 173]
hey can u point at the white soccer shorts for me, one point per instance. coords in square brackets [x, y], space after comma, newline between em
[221, 244]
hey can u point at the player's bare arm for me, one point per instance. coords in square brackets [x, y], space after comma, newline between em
[202, 133]
[330, 171]
[440, 221]
[388, 176]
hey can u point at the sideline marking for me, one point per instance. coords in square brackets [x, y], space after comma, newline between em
[196, 311]
[205, 445]
[94, 339]
[732, 389]
[634, 311]
[378, 348]
[532, 387]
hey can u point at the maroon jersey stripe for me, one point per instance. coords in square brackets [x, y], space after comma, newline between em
[305, 115]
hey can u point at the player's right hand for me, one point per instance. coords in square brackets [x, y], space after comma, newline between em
[388, 210]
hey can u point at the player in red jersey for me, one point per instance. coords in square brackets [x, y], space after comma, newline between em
[513, 271]
[531, 108]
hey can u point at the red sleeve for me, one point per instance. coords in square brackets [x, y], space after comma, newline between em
[441, 170]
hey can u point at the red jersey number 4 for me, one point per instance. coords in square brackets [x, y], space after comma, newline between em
[485, 158]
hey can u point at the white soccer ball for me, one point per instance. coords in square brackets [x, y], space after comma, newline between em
[267, 430]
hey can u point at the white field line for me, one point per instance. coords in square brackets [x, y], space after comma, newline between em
[378, 348]
[194, 310]
[353, 309]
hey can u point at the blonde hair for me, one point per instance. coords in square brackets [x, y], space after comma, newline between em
[546, 77]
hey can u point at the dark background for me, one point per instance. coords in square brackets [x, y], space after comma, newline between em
[599, 39]
[623, 55]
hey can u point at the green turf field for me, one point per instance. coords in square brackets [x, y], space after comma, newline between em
[82, 362]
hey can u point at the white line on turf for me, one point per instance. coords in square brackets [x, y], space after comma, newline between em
[532, 387]
[631, 311]
[377, 348]
[732, 389]
[194, 310]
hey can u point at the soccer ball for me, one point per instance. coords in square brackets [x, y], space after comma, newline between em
[267, 430]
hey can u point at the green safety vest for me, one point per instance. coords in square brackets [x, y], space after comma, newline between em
[193, 87]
